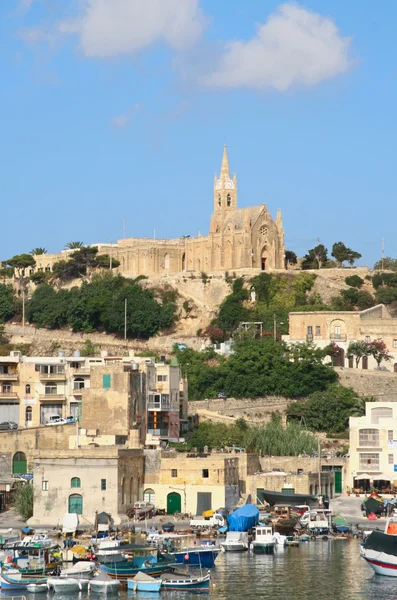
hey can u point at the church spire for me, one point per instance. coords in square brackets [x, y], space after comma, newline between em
[225, 164]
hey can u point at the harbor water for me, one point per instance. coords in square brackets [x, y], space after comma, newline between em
[318, 570]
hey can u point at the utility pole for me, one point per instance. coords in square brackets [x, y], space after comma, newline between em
[383, 252]
[125, 319]
[274, 328]
[110, 255]
[23, 311]
[319, 467]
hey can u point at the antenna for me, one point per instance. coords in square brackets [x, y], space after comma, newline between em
[383, 252]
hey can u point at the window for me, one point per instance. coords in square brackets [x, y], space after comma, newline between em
[149, 495]
[369, 462]
[219, 201]
[310, 332]
[44, 486]
[390, 434]
[6, 388]
[318, 330]
[106, 381]
[205, 473]
[337, 332]
[228, 200]
[174, 472]
[75, 482]
[390, 459]
[367, 339]
[78, 383]
[394, 343]
[369, 437]
[50, 388]
[103, 485]
[382, 412]
[50, 369]
[28, 414]
[27, 388]
[3, 369]
[162, 377]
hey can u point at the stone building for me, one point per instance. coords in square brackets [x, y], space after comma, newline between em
[239, 238]
[342, 327]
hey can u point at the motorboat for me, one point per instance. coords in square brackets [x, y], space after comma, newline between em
[264, 541]
[143, 510]
[199, 556]
[111, 556]
[37, 588]
[83, 571]
[181, 583]
[236, 541]
[380, 549]
[11, 579]
[281, 540]
[317, 522]
[103, 584]
[143, 582]
[65, 585]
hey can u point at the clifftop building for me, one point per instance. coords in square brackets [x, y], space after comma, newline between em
[239, 238]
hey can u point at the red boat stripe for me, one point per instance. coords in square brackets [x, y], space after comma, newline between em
[380, 564]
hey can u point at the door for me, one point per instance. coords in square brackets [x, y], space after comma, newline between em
[19, 464]
[76, 504]
[174, 503]
[338, 482]
[204, 502]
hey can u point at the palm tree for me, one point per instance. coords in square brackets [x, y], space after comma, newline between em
[74, 245]
[37, 251]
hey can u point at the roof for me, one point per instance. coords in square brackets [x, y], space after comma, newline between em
[236, 219]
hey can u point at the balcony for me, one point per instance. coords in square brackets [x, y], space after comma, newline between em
[158, 432]
[52, 398]
[78, 391]
[9, 396]
[52, 377]
[9, 376]
[338, 337]
[164, 405]
[81, 371]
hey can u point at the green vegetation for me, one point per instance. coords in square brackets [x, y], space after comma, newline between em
[7, 303]
[24, 501]
[269, 439]
[387, 264]
[342, 254]
[328, 410]
[354, 281]
[257, 367]
[38, 251]
[89, 349]
[82, 262]
[315, 258]
[353, 299]
[290, 258]
[99, 306]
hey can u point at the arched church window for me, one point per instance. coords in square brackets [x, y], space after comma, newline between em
[229, 200]
[219, 200]
[263, 230]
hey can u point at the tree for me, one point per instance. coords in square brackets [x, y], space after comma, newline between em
[290, 258]
[315, 258]
[38, 251]
[24, 501]
[342, 253]
[232, 310]
[6, 302]
[89, 349]
[74, 245]
[103, 262]
[39, 277]
[386, 264]
[379, 351]
[358, 349]
[327, 410]
[20, 262]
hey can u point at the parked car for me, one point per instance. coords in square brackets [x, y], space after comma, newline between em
[168, 527]
[56, 420]
[6, 425]
[70, 419]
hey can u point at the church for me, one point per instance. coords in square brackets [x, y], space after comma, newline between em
[239, 238]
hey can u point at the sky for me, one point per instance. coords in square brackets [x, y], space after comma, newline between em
[114, 114]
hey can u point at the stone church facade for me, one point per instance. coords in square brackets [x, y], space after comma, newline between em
[239, 238]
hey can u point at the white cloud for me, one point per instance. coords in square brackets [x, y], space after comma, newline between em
[294, 47]
[125, 118]
[108, 28]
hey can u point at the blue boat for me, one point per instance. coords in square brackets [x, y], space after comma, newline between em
[144, 583]
[128, 569]
[181, 583]
[201, 557]
[14, 581]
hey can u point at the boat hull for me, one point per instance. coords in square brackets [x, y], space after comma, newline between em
[273, 498]
[205, 557]
[234, 547]
[143, 586]
[263, 547]
[9, 583]
[104, 588]
[124, 571]
[200, 584]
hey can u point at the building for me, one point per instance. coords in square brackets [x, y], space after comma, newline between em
[373, 446]
[342, 327]
[239, 238]
[84, 481]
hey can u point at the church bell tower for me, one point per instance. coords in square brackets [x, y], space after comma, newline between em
[225, 188]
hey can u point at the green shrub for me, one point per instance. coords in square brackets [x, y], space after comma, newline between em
[354, 281]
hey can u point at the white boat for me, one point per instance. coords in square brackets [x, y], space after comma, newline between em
[236, 541]
[83, 571]
[70, 523]
[66, 585]
[103, 584]
[380, 549]
[317, 521]
[264, 541]
[111, 556]
[281, 540]
[37, 588]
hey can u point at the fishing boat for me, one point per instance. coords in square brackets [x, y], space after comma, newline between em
[11, 579]
[201, 556]
[65, 585]
[103, 584]
[31, 561]
[264, 541]
[128, 569]
[341, 525]
[236, 541]
[317, 522]
[144, 583]
[380, 549]
[291, 541]
[37, 588]
[283, 522]
[181, 583]
[143, 510]
[287, 497]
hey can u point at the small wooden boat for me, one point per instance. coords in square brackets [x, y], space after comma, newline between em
[341, 525]
[304, 537]
[143, 510]
[291, 541]
[11, 579]
[37, 588]
[102, 584]
[202, 557]
[66, 585]
[180, 583]
[144, 583]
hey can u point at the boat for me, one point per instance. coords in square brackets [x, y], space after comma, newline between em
[182, 583]
[84, 571]
[286, 497]
[283, 522]
[143, 510]
[144, 583]
[37, 588]
[281, 540]
[111, 556]
[128, 570]
[264, 541]
[244, 518]
[380, 549]
[201, 556]
[11, 579]
[66, 585]
[70, 522]
[341, 525]
[236, 541]
[291, 541]
[103, 584]
[317, 522]
[304, 537]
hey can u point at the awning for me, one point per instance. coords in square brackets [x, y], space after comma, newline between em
[382, 477]
[363, 476]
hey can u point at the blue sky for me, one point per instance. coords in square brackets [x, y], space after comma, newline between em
[119, 109]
